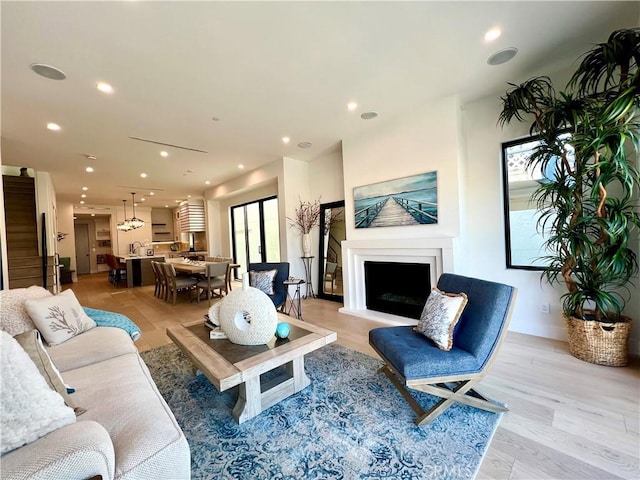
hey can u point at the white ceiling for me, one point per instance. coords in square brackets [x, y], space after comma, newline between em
[267, 70]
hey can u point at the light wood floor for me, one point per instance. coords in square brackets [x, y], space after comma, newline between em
[567, 420]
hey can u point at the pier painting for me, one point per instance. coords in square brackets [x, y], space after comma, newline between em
[403, 201]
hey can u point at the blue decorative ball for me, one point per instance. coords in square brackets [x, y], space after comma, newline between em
[282, 330]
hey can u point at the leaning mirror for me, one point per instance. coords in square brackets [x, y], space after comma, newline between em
[332, 233]
[524, 238]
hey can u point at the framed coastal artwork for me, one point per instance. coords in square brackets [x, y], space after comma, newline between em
[404, 201]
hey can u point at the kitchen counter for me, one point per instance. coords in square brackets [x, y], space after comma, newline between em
[139, 271]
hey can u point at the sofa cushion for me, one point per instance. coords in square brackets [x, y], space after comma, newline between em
[415, 357]
[95, 345]
[83, 448]
[120, 394]
[32, 344]
[30, 408]
[439, 317]
[59, 317]
[14, 318]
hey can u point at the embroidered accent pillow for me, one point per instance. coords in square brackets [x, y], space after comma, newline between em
[30, 409]
[59, 317]
[440, 316]
[263, 280]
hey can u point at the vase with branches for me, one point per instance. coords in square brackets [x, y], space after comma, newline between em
[306, 218]
[588, 206]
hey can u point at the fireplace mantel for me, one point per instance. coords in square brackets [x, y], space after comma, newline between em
[437, 252]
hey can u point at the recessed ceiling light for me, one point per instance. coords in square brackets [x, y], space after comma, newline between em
[502, 56]
[89, 170]
[93, 214]
[286, 140]
[164, 154]
[53, 126]
[166, 206]
[85, 188]
[368, 115]
[47, 71]
[104, 87]
[188, 196]
[81, 202]
[241, 167]
[207, 182]
[352, 106]
[152, 193]
[143, 175]
[83, 196]
[304, 145]
[492, 34]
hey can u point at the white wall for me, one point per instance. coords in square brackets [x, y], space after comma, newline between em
[327, 180]
[67, 246]
[424, 141]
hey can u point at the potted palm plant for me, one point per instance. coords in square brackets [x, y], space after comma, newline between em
[588, 142]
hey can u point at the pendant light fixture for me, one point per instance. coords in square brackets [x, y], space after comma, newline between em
[135, 222]
[124, 225]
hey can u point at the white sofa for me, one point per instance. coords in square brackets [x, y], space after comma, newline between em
[127, 431]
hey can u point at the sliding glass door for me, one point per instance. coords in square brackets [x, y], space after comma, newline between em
[256, 232]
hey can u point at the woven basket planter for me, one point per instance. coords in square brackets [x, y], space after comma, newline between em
[599, 342]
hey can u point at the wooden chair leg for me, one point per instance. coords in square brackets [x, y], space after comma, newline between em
[461, 393]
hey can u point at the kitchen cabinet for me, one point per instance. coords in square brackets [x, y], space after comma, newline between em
[103, 229]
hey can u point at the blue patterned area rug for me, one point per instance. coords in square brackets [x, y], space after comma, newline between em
[351, 423]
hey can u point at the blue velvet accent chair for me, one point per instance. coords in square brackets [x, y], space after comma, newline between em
[412, 361]
[279, 288]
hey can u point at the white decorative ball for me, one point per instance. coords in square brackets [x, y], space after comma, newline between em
[248, 317]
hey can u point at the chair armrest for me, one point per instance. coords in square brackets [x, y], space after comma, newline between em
[78, 451]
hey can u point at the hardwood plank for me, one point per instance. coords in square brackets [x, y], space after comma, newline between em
[549, 460]
[605, 457]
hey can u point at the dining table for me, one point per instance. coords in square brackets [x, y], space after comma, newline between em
[197, 267]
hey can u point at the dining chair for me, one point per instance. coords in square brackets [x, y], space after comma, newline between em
[155, 266]
[174, 284]
[215, 273]
[229, 262]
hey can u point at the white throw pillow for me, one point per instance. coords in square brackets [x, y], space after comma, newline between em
[30, 409]
[263, 280]
[14, 318]
[59, 317]
[440, 316]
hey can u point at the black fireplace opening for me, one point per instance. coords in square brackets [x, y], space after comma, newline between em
[397, 288]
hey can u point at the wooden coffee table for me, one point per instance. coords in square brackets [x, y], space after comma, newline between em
[226, 364]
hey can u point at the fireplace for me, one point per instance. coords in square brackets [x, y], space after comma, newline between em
[397, 288]
[435, 252]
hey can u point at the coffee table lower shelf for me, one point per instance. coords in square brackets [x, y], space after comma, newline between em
[226, 364]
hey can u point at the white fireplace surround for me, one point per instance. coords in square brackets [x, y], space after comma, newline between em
[437, 252]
